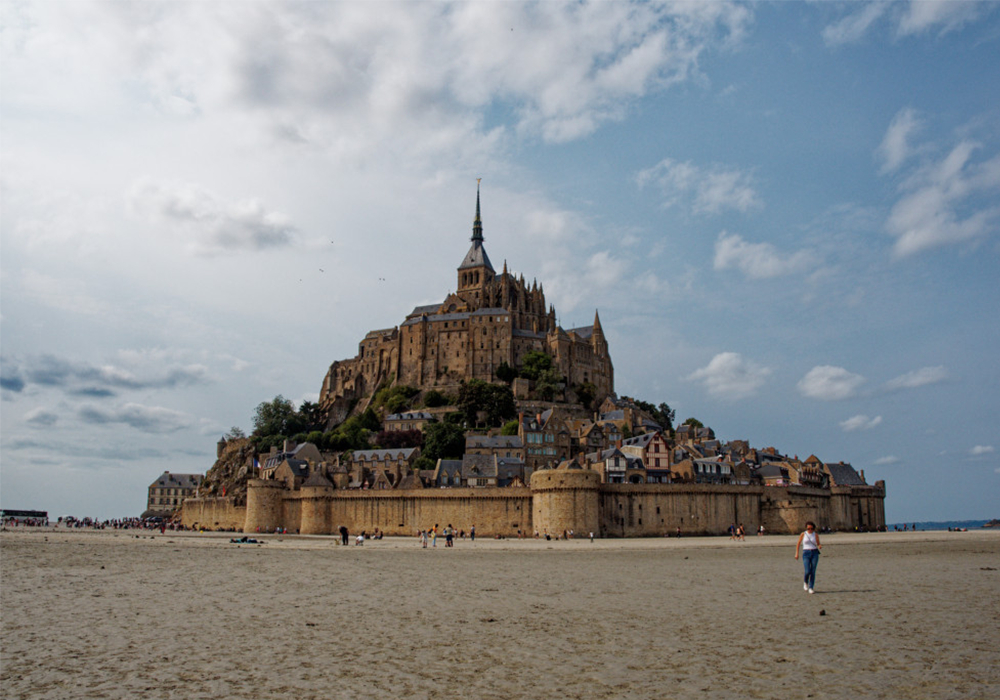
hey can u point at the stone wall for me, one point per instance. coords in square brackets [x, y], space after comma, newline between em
[558, 500]
[219, 513]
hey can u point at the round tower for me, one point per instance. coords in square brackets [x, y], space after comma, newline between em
[315, 503]
[265, 505]
[564, 500]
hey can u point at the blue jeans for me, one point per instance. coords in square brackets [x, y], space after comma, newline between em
[810, 558]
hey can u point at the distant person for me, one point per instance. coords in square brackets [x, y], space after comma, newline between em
[809, 542]
[472, 533]
[344, 535]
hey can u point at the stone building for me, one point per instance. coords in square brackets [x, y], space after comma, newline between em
[490, 320]
[168, 492]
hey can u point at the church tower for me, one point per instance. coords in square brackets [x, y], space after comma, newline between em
[476, 270]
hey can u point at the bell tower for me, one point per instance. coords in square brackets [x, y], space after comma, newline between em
[476, 270]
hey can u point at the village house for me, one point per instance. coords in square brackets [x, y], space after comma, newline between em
[168, 492]
[413, 420]
[381, 469]
[546, 439]
[617, 467]
[509, 446]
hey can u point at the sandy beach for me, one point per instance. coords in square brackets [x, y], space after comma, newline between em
[186, 615]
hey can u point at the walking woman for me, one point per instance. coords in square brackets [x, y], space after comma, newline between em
[809, 542]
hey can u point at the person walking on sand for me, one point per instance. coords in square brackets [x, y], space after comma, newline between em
[809, 542]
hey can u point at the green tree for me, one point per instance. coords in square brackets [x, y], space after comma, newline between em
[276, 417]
[235, 433]
[510, 428]
[434, 398]
[505, 373]
[694, 422]
[533, 363]
[312, 416]
[494, 400]
[547, 384]
[424, 463]
[586, 393]
[443, 441]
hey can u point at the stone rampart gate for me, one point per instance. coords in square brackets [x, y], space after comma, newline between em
[557, 501]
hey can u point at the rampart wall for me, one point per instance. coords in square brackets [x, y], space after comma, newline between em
[218, 513]
[558, 500]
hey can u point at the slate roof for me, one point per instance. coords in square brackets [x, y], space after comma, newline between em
[426, 309]
[584, 332]
[508, 469]
[450, 468]
[178, 481]
[491, 311]
[639, 440]
[412, 415]
[476, 257]
[525, 333]
[772, 471]
[274, 460]
[437, 318]
[495, 442]
[299, 467]
[478, 467]
[317, 479]
[382, 455]
[843, 474]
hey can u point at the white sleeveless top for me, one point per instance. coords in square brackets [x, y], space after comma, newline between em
[809, 540]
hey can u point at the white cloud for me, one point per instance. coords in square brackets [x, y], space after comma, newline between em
[41, 418]
[148, 419]
[707, 190]
[860, 422]
[729, 376]
[905, 19]
[895, 147]
[921, 16]
[758, 260]
[918, 377]
[215, 226]
[852, 27]
[829, 383]
[889, 459]
[980, 450]
[946, 202]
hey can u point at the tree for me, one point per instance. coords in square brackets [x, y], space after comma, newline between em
[533, 363]
[424, 463]
[443, 441]
[510, 428]
[392, 439]
[312, 416]
[493, 400]
[434, 398]
[547, 384]
[276, 417]
[235, 433]
[586, 393]
[666, 414]
[505, 373]
[694, 422]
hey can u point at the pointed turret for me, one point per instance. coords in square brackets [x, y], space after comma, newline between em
[476, 270]
[597, 321]
[477, 225]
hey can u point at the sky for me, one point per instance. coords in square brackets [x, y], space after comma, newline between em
[786, 214]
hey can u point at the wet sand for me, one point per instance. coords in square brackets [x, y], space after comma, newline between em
[186, 615]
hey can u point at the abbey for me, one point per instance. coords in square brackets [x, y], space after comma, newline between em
[492, 319]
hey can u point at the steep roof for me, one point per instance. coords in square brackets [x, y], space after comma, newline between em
[177, 481]
[843, 474]
[476, 257]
